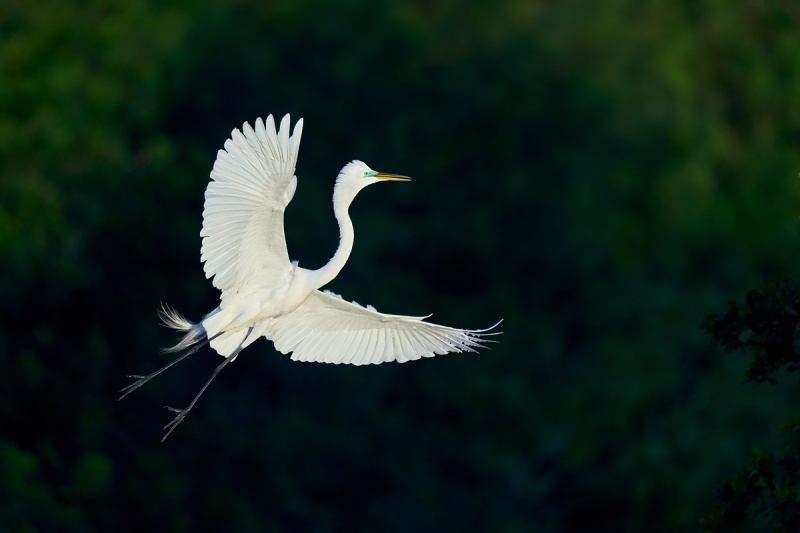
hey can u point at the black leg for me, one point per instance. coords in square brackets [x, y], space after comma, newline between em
[183, 412]
[144, 379]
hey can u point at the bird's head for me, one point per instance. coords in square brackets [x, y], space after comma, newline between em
[356, 175]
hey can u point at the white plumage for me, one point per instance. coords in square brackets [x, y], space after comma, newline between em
[265, 294]
[359, 335]
[251, 184]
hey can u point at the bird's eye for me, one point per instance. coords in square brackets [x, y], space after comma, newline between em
[366, 172]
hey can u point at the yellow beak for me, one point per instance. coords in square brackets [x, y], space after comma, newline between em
[391, 177]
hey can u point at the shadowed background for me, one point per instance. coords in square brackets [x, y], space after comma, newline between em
[600, 178]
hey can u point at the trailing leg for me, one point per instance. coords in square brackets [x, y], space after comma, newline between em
[183, 412]
[144, 379]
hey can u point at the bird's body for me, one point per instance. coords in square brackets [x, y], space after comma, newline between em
[266, 294]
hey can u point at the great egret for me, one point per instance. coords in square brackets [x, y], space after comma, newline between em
[266, 294]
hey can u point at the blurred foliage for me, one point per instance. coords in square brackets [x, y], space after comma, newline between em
[600, 177]
[766, 324]
[765, 496]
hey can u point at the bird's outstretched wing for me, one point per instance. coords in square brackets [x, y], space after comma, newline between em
[252, 183]
[328, 329]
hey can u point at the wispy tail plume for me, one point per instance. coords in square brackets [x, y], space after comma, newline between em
[174, 320]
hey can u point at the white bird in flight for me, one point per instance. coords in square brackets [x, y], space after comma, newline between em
[266, 294]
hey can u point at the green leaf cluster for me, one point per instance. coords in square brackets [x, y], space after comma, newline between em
[765, 496]
[767, 325]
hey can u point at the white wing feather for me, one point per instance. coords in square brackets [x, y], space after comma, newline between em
[326, 328]
[252, 183]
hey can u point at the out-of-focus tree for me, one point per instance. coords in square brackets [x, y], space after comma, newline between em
[765, 496]
[601, 177]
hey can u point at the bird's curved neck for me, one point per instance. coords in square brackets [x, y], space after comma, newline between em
[341, 203]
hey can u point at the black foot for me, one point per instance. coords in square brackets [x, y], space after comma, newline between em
[144, 379]
[140, 380]
[177, 420]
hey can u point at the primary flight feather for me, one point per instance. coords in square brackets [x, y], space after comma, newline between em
[266, 294]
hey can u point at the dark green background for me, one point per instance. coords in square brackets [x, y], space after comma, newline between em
[599, 176]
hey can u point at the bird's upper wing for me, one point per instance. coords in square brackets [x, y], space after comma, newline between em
[252, 182]
[327, 329]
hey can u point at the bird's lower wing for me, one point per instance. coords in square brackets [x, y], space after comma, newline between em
[328, 329]
[252, 182]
